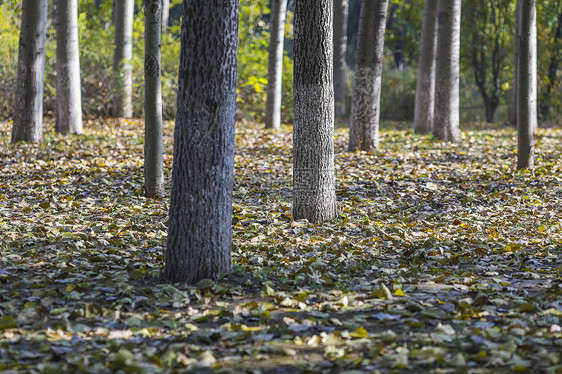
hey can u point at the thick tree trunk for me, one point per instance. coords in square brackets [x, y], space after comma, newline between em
[123, 100]
[153, 149]
[365, 108]
[69, 96]
[275, 66]
[28, 111]
[526, 111]
[515, 89]
[425, 85]
[341, 9]
[165, 15]
[491, 105]
[199, 229]
[314, 192]
[446, 115]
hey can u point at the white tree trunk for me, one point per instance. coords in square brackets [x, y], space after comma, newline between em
[527, 100]
[69, 97]
[28, 111]
[165, 15]
[123, 53]
[275, 65]
[314, 191]
[153, 148]
[425, 85]
[341, 10]
[446, 114]
[365, 108]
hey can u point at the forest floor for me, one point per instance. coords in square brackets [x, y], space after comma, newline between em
[444, 259]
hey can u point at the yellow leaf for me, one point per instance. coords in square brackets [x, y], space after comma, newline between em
[399, 292]
[359, 333]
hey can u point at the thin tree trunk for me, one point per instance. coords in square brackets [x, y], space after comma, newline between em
[341, 9]
[153, 149]
[165, 15]
[275, 65]
[365, 108]
[314, 192]
[199, 229]
[123, 100]
[28, 111]
[425, 85]
[69, 96]
[526, 111]
[446, 112]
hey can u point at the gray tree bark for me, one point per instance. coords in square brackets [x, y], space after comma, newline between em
[165, 15]
[69, 96]
[514, 100]
[199, 229]
[341, 10]
[123, 53]
[153, 148]
[28, 111]
[425, 85]
[365, 108]
[527, 100]
[314, 192]
[275, 65]
[446, 115]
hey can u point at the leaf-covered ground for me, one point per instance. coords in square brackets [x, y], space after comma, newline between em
[444, 259]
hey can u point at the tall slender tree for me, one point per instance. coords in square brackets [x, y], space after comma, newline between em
[165, 15]
[28, 111]
[314, 192]
[69, 97]
[153, 148]
[527, 101]
[275, 65]
[341, 10]
[123, 53]
[365, 110]
[425, 85]
[446, 112]
[199, 229]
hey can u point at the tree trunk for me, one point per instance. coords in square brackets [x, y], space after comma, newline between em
[28, 111]
[526, 112]
[123, 100]
[314, 192]
[69, 96]
[425, 85]
[491, 105]
[365, 109]
[515, 89]
[275, 65]
[165, 15]
[153, 149]
[199, 229]
[446, 115]
[341, 9]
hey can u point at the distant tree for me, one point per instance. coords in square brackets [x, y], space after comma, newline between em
[425, 85]
[275, 65]
[153, 148]
[514, 88]
[199, 228]
[365, 107]
[165, 15]
[123, 53]
[446, 113]
[553, 67]
[28, 111]
[69, 97]
[314, 192]
[527, 105]
[341, 8]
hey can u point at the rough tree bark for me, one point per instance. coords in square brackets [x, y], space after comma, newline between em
[153, 148]
[365, 108]
[165, 15]
[199, 229]
[425, 85]
[527, 102]
[28, 111]
[69, 96]
[275, 65]
[123, 53]
[446, 115]
[341, 10]
[314, 192]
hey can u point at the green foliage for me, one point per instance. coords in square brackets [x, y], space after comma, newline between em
[9, 42]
